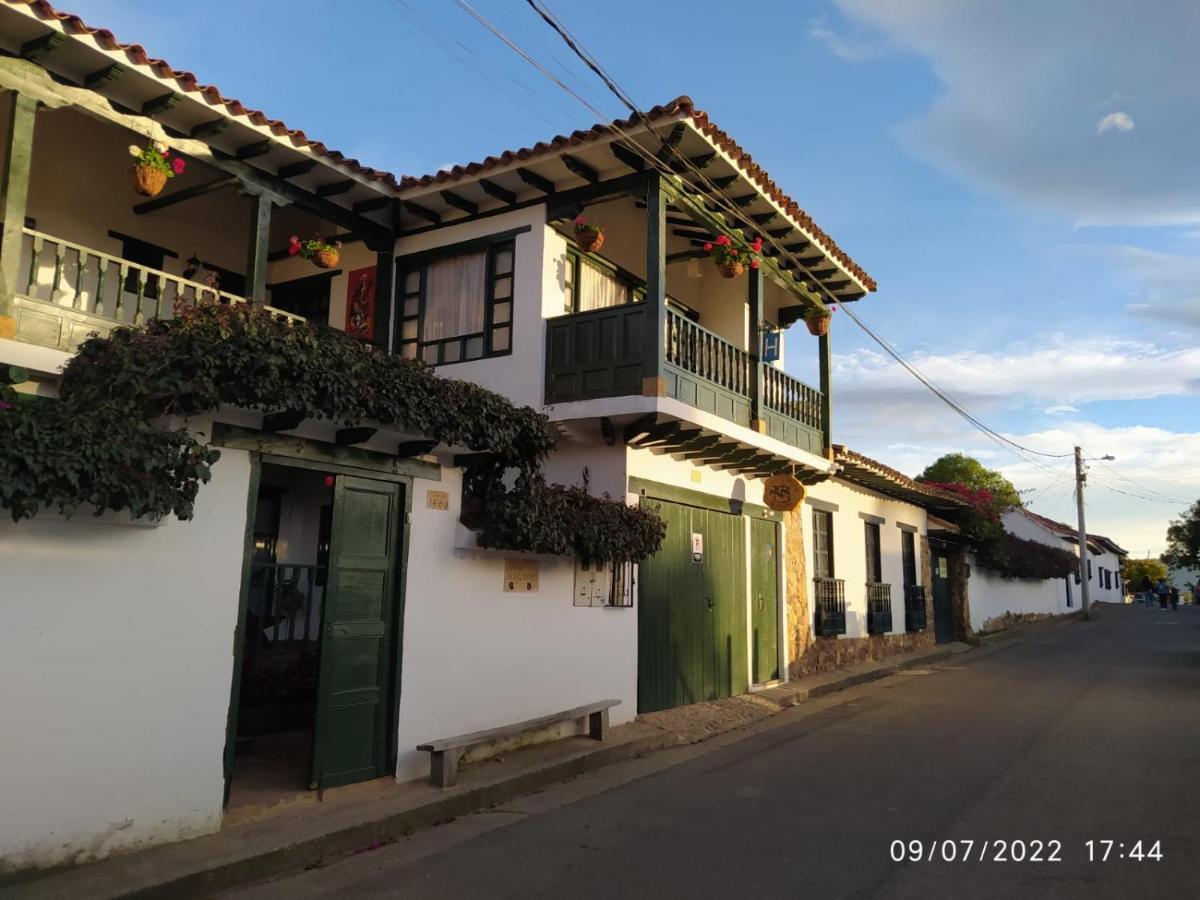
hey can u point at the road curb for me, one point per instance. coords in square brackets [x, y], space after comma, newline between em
[791, 696]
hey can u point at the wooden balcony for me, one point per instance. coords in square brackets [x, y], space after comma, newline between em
[601, 353]
[66, 291]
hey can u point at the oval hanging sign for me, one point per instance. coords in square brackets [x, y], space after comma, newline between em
[783, 492]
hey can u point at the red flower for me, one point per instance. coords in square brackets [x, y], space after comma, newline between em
[723, 240]
[754, 263]
[293, 245]
[708, 247]
[177, 164]
[329, 481]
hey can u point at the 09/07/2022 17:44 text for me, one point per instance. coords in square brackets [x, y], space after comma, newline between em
[1021, 851]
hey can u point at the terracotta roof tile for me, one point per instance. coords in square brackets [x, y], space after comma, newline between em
[844, 455]
[188, 83]
[680, 106]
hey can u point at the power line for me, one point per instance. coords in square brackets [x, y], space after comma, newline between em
[1143, 488]
[610, 82]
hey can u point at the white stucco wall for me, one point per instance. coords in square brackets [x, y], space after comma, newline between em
[1115, 593]
[991, 596]
[476, 657]
[849, 546]
[115, 671]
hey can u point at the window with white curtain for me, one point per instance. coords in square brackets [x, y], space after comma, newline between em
[589, 285]
[457, 306]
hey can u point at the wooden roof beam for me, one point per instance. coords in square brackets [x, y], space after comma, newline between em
[534, 180]
[292, 170]
[504, 195]
[458, 201]
[580, 168]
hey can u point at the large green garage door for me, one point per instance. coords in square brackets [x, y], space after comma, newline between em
[692, 614]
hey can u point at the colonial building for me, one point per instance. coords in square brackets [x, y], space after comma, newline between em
[329, 558]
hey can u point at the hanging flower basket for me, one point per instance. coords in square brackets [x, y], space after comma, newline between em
[148, 180]
[152, 166]
[732, 261]
[324, 254]
[590, 238]
[818, 322]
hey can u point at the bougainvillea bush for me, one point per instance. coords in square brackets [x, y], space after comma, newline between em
[1005, 554]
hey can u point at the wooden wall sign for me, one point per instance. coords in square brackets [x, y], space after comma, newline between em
[360, 303]
[437, 500]
[521, 576]
[783, 492]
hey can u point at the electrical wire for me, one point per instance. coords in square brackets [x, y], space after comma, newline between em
[1146, 490]
[590, 61]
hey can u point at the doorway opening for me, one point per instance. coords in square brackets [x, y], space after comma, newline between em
[282, 629]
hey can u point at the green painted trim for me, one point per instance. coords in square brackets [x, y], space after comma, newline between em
[259, 247]
[239, 631]
[408, 261]
[654, 335]
[14, 192]
[401, 594]
[911, 529]
[874, 520]
[825, 362]
[304, 453]
[822, 505]
[658, 491]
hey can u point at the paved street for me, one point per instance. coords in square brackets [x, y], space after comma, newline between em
[1075, 732]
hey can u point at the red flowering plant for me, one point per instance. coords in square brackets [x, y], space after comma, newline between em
[311, 247]
[157, 155]
[583, 226]
[725, 253]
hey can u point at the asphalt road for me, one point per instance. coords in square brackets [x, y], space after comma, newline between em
[1074, 732]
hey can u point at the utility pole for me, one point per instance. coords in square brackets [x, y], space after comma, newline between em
[1080, 481]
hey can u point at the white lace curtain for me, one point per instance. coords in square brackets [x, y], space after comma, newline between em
[455, 290]
[598, 289]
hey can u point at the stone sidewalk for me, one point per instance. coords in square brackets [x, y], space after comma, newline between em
[310, 832]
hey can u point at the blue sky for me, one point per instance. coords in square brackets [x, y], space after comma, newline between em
[1022, 185]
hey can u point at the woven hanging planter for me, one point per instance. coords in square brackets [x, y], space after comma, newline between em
[731, 269]
[326, 259]
[818, 326]
[589, 241]
[148, 180]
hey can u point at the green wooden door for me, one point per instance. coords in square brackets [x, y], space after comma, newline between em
[692, 615]
[764, 599]
[357, 662]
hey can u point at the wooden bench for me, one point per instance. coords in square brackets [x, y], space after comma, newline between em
[447, 752]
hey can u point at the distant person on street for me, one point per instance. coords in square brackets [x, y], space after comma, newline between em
[1161, 591]
[1174, 599]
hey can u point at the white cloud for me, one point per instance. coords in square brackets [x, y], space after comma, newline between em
[1061, 409]
[1166, 286]
[1117, 120]
[843, 47]
[1020, 92]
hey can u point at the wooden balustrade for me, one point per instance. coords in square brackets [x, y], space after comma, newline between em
[71, 276]
[790, 397]
[699, 351]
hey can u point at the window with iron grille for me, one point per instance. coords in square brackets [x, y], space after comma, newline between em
[914, 607]
[457, 307]
[829, 606]
[879, 608]
[822, 543]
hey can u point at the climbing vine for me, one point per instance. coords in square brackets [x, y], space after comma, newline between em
[99, 445]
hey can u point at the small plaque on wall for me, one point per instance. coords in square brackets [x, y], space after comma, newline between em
[521, 576]
[437, 500]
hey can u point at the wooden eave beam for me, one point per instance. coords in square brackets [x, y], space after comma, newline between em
[409, 449]
[250, 151]
[334, 188]
[534, 180]
[678, 440]
[293, 170]
[713, 454]
[703, 161]
[627, 156]
[692, 235]
[41, 46]
[780, 233]
[180, 196]
[697, 444]
[659, 434]
[283, 421]
[763, 218]
[580, 168]
[724, 181]
[736, 458]
[209, 129]
[358, 434]
[639, 428]
[685, 255]
[372, 204]
[422, 212]
[107, 75]
[504, 195]
[161, 103]
[458, 201]
[671, 141]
